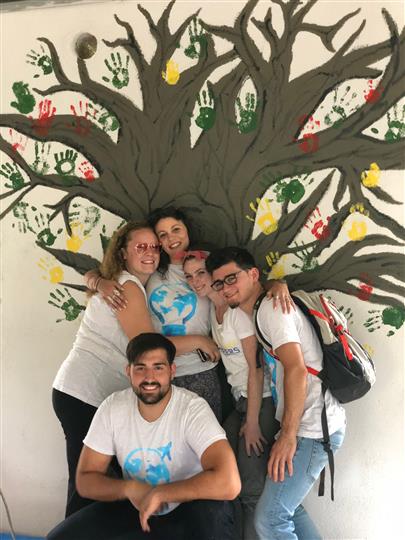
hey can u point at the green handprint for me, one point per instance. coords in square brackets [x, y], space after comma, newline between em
[197, 36]
[41, 60]
[119, 72]
[396, 125]
[340, 109]
[390, 316]
[40, 164]
[207, 114]
[107, 120]
[25, 100]
[292, 190]
[308, 261]
[66, 302]
[88, 216]
[348, 313]
[248, 115]
[65, 162]
[37, 223]
[11, 172]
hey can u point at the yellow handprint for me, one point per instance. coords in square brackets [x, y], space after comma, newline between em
[75, 241]
[54, 272]
[265, 219]
[371, 178]
[172, 73]
[357, 231]
[277, 270]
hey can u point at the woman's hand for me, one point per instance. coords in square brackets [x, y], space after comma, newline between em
[254, 439]
[280, 293]
[207, 345]
[113, 293]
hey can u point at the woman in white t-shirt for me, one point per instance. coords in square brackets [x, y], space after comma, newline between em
[95, 367]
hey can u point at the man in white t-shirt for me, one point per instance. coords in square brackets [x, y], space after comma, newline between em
[298, 456]
[178, 468]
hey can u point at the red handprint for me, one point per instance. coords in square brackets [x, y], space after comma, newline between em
[365, 287]
[43, 123]
[81, 123]
[372, 95]
[18, 142]
[86, 170]
[316, 224]
[309, 141]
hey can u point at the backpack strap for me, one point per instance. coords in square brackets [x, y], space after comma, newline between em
[328, 450]
[260, 335]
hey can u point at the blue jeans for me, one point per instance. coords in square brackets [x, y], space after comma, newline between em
[279, 514]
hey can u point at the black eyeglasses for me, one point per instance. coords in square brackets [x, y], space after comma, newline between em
[230, 279]
[142, 247]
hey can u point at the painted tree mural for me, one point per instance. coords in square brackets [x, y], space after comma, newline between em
[264, 140]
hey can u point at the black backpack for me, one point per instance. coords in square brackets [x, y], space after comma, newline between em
[348, 371]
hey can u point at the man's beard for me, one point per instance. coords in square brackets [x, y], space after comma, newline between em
[234, 305]
[149, 398]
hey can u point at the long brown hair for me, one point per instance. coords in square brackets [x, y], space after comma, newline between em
[113, 262]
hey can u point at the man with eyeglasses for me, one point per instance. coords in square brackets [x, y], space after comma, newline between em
[297, 457]
[179, 471]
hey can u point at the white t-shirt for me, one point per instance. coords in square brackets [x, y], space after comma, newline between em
[166, 450]
[176, 310]
[95, 367]
[280, 328]
[228, 336]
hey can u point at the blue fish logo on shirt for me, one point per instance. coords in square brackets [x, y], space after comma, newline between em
[148, 465]
[173, 308]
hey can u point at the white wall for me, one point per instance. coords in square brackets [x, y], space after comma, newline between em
[33, 469]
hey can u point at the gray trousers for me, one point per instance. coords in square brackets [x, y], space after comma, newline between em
[253, 469]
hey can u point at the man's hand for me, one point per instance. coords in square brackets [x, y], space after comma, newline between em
[282, 453]
[150, 504]
[136, 492]
[254, 438]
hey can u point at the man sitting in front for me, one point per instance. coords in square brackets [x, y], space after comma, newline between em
[171, 450]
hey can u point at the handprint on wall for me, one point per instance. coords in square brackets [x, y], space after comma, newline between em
[197, 40]
[390, 316]
[41, 60]
[247, 114]
[25, 101]
[207, 114]
[65, 162]
[119, 71]
[63, 300]
[52, 271]
[12, 173]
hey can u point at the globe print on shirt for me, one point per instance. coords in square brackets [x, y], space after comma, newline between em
[173, 305]
[148, 464]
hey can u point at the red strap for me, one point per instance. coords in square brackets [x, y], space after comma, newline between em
[343, 340]
[312, 371]
[319, 315]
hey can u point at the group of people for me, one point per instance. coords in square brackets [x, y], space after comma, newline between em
[139, 397]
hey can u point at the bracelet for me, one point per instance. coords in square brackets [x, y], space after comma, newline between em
[95, 288]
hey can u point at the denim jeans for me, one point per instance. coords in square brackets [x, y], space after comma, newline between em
[252, 469]
[279, 513]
